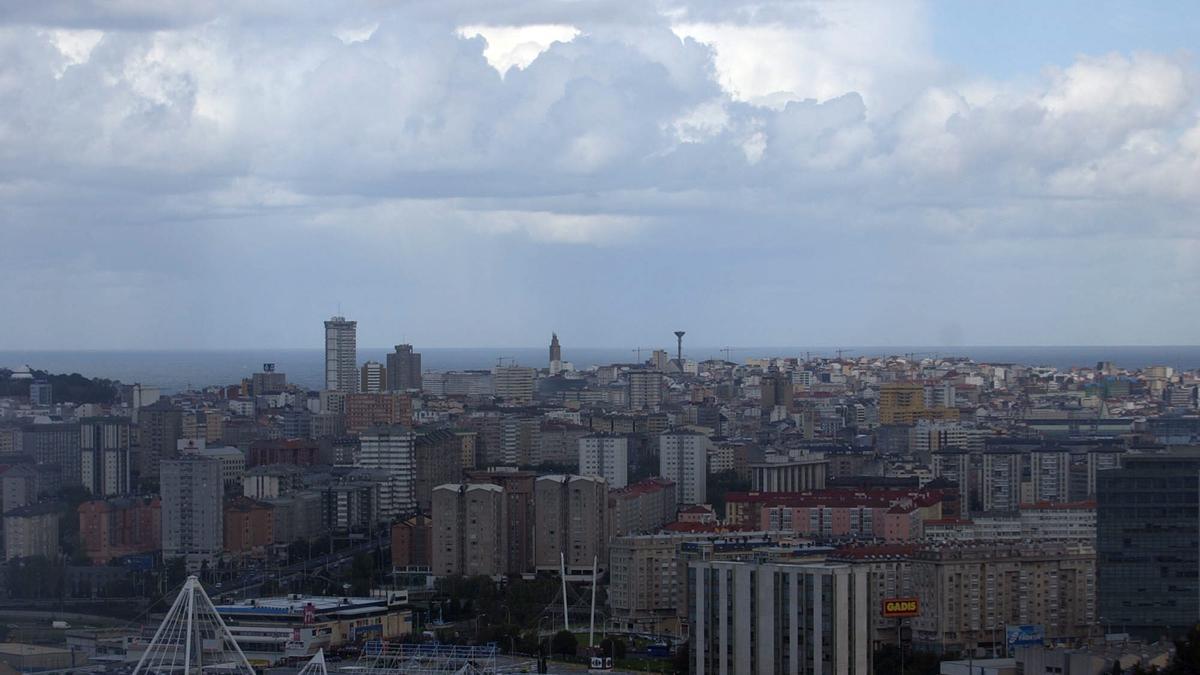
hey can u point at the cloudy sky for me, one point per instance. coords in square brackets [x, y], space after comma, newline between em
[453, 173]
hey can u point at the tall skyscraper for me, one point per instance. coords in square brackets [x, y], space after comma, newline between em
[403, 369]
[192, 520]
[104, 460]
[341, 355]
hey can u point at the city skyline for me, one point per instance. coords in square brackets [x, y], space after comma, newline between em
[769, 172]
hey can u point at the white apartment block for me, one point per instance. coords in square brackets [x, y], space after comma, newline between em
[607, 457]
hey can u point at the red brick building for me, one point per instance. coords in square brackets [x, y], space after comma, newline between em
[412, 542]
[249, 527]
[119, 527]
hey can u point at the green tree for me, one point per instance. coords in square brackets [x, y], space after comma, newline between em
[721, 483]
[614, 647]
[564, 643]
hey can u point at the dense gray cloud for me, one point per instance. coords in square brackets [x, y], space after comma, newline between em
[774, 172]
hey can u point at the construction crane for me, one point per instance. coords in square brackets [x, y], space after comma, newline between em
[639, 352]
[728, 352]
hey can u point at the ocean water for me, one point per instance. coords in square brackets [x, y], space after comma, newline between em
[179, 370]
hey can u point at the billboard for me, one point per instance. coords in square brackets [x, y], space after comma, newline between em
[1026, 635]
[898, 608]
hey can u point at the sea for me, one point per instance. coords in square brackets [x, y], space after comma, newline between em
[174, 371]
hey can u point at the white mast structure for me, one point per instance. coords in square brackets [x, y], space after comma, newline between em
[193, 639]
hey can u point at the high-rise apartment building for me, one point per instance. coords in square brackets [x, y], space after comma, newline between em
[341, 355]
[54, 446]
[104, 462]
[605, 456]
[192, 519]
[373, 378]
[954, 464]
[403, 369]
[1050, 474]
[645, 389]
[469, 530]
[683, 458]
[160, 426]
[518, 505]
[775, 390]
[390, 452]
[1002, 479]
[779, 618]
[571, 520]
[514, 383]
[1148, 544]
[437, 460]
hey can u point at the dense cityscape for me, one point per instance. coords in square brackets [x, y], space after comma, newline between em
[792, 514]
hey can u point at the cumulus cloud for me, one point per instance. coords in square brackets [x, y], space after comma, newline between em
[578, 137]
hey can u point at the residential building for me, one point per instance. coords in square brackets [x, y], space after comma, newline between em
[341, 355]
[41, 394]
[469, 530]
[364, 411]
[54, 444]
[249, 527]
[779, 618]
[519, 506]
[18, 486]
[104, 463]
[32, 531]
[412, 542]
[192, 519]
[160, 426]
[605, 456]
[1002, 479]
[646, 389]
[436, 461]
[643, 507]
[390, 451]
[115, 528]
[954, 465]
[1050, 472]
[968, 593]
[514, 383]
[570, 523]
[645, 584]
[683, 459]
[404, 369]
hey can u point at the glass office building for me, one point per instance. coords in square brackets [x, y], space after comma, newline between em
[1148, 544]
